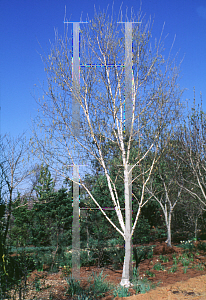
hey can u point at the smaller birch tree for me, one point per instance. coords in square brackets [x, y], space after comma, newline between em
[163, 186]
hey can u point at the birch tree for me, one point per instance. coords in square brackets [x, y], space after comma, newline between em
[154, 104]
[193, 144]
[163, 185]
[14, 170]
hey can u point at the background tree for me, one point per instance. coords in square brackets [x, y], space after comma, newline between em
[14, 171]
[155, 104]
[193, 140]
[189, 217]
[3, 249]
[163, 187]
[19, 232]
[51, 212]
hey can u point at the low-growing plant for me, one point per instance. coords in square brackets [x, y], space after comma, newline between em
[95, 290]
[173, 269]
[185, 262]
[73, 286]
[158, 267]
[37, 284]
[191, 257]
[143, 285]
[40, 268]
[188, 246]
[164, 258]
[121, 291]
[185, 255]
[180, 258]
[185, 269]
[135, 273]
[200, 267]
[174, 260]
[150, 254]
[99, 287]
[149, 273]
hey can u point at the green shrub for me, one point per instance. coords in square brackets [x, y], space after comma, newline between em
[116, 257]
[87, 258]
[113, 242]
[202, 246]
[142, 231]
[16, 267]
[142, 253]
[158, 233]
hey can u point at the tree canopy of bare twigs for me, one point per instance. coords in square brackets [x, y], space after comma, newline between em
[155, 106]
[14, 170]
[192, 138]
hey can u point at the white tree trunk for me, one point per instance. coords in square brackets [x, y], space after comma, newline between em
[169, 240]
[127, 267]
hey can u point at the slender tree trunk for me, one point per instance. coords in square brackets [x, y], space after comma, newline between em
[87, 229]
[1, 236]
[196, 220]
[55, 250]
[127, 267]
[169, 240]
[8, 217]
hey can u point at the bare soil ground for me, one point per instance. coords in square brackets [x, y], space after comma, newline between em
[181, 284]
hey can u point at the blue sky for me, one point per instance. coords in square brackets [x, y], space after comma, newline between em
[24, 24]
